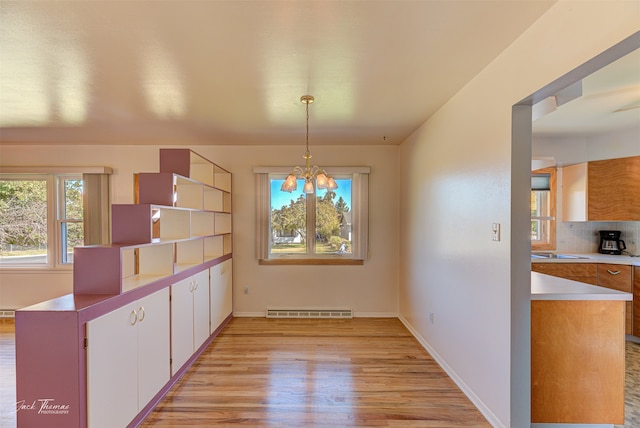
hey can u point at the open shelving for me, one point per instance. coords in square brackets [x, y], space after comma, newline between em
[133, 302]
[181, 219]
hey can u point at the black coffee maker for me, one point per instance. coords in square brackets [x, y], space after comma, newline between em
[610, 242]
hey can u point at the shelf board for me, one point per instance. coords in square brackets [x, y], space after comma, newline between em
[136, 281]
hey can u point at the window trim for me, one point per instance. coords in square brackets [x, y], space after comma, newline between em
[52, 174]
[360, 222]
[550, 244]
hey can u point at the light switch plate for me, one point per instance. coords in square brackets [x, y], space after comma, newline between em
[495, 228]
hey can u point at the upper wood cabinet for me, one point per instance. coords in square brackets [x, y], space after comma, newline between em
[605, 190]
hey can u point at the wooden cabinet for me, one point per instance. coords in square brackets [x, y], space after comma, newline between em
[605, 190]
[582, 272]
[220, 292]
[615, 276]
[127, 359]
[618, 277]
[577, 362]
[189, 318]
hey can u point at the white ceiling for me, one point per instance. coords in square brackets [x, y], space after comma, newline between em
[232, 72]
[610, 101]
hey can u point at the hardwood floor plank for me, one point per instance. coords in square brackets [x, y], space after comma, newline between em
[307, 373]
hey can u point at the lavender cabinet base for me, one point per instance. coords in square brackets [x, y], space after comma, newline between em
[51, 369]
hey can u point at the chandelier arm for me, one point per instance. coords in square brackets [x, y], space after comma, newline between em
[310, 173]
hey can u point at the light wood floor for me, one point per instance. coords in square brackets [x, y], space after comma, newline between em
[300, 373]
[315, 373]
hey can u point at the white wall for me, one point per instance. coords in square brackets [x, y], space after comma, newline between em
[457, 174]
[370, 289]
[577, 149]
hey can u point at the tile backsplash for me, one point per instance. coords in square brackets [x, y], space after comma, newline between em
[583, 237]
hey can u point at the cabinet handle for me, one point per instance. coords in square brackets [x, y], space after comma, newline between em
[140, 314]
[195, 287]
[191, 286]
[613, 272]
[133, 317]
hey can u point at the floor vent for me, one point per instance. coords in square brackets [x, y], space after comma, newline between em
[309, 313]
[7, 314]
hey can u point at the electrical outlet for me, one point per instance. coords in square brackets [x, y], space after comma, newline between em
[432, 317]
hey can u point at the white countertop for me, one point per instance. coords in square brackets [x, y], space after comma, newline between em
[591, 258]
[547, 287]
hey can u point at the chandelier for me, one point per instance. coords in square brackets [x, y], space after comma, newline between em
[308, 173]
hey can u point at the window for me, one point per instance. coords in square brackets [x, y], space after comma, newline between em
[40, 219]
[70, 215]
[543, 209]
[327, 227]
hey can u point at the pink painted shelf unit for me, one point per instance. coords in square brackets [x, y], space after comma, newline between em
[143, 307]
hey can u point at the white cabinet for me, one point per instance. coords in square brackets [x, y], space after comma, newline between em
[189, 317]
[220, 277]
[127, 360]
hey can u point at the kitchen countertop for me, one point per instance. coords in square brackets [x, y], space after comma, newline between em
[589, 258]
[547, 287]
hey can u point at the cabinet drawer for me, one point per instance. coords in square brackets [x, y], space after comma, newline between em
[583, 272]
[617, 277]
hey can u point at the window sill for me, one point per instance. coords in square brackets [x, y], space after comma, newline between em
[316, 262]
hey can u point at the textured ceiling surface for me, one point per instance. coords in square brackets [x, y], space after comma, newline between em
[232, 72]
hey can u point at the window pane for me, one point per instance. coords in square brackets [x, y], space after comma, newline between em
[72, 235]
[23, 221]
[333, 219]
[535, 230]
[72, 200]
[288, 219]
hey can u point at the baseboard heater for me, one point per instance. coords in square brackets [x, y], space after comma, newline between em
[309, 313]
[7, 314]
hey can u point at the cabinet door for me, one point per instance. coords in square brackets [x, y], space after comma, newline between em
[613, 187]
[112, 368]
[200, 308]
[153, 345]
[181, 323]
[221, 293]
[618, 277]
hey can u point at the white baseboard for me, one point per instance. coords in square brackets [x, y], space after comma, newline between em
[486, 412]
[375, 315]
[249, 314]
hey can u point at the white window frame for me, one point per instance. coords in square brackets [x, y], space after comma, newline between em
[359, 209]
[54, 177]
[61, 219]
